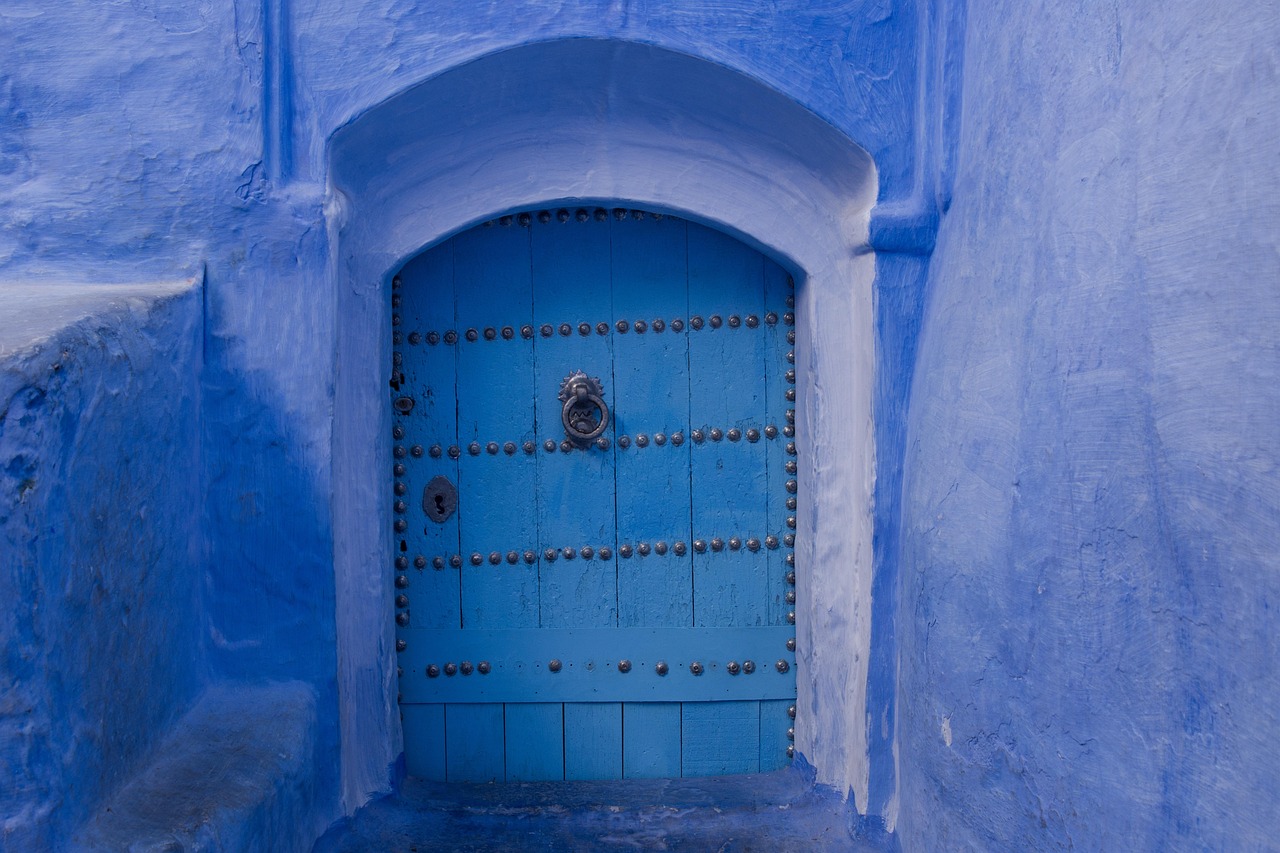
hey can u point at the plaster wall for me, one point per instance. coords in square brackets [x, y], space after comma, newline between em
[1091, 505]
[100, 554]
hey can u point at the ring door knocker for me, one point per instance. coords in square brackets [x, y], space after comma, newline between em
[585, 414]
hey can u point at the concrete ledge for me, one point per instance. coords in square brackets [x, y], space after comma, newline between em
[235, 774]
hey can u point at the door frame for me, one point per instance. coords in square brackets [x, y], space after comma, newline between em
[585, 121]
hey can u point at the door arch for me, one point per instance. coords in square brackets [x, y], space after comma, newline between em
[596, 584]
[542, 125]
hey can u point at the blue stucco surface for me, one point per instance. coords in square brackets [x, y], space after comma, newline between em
[1069, 615]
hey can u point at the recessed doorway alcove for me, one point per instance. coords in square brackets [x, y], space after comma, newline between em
[559, 125]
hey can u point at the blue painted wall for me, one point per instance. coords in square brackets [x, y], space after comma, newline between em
[1091, 507]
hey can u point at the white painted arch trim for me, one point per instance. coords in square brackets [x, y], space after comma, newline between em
[601, 120]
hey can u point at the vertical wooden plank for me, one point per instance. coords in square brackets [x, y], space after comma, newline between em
[774, 723]
[474, 742]
[651, 378]
[779, 379]
[571, 299]
[720, 738]
[424, 743]
[650, 740]
[727, 399]
[497, 511]
[535, 742]
[592, 740]
[423, 549]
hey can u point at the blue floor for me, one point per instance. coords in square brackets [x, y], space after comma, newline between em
[766, 812]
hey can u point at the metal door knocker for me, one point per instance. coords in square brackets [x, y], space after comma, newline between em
[585, 414]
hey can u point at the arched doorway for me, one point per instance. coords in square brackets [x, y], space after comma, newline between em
[594, 486]
[535, 128]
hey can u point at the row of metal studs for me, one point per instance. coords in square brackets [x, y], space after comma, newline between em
[507, 333]
[626, 551]
[600, 214]
[554, 665]
[641, 440]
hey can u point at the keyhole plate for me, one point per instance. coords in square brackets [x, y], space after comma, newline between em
[439, 499]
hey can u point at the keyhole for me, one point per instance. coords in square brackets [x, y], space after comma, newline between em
[440, 510]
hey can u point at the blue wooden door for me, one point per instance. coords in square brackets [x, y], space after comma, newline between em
[594, 487]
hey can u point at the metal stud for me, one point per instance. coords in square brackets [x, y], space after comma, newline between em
[602, 328]
[504, 221]
[791, 336]
[396, 338]
[495, 557]
[659, 438]
[483, 667]
[791, 395]
[587, 552]
[753, 544]
[622, 326]
[529, 556]
[790, 466]
[472, 335]
[602, 443]
[606, 554]
[565, 330]
[791, 448]
[568, 553]
[436, 451]
[791, 522]
[734, 543]
[643, 549]
[544, 216]
[753, 435]
[474, 448]
[771, 318]
[399, 452]
[679, 549]
[401, 525]
[791, 578]
[456, 561]
[791, 644]
[699, 545]
[640, 326]
[466, 668]
[420, 562]
[584, 329]
[732, 667]
[660, 548]
[661, 667]
[401, 645]
[397, 433]
[624, 441]
[790, 596]
[529, 447]
[695, 323]
[454, 451]
[619, 213]
[717, 544]
[789, 430]
[396, 281]
[555, 665]
[437, 562]
[402, 582]
[624, 666]
[659, 324]
[509, 448]
[399, 469]
[524, 219]
[549, 446]
[677, 325]
[451, 337]
[566, 446]
[714, 321]
[625, 551]
[791, 711]
[549, 555]
[791, 559]
[477, 558]
[492, 447]
[791, 751]
[395, 319]
[433, 338]
[792, 486]
[581, 215]
[771, 431]
[716, 434]
[401, 488]
[642, 440]
[545, 330]
[789, 318]
[734, 321]
[697, 436]
[402, 562]
[601, 214]
[490, 333]
[450, 668]
[791, 356]
[791, 617]
[790, 375]
[771, 542]
[735, 434]
[782, 665]
[433, 671]
[696, 668]
[508, 333]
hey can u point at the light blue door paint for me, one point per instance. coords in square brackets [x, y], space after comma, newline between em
[619, 609]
